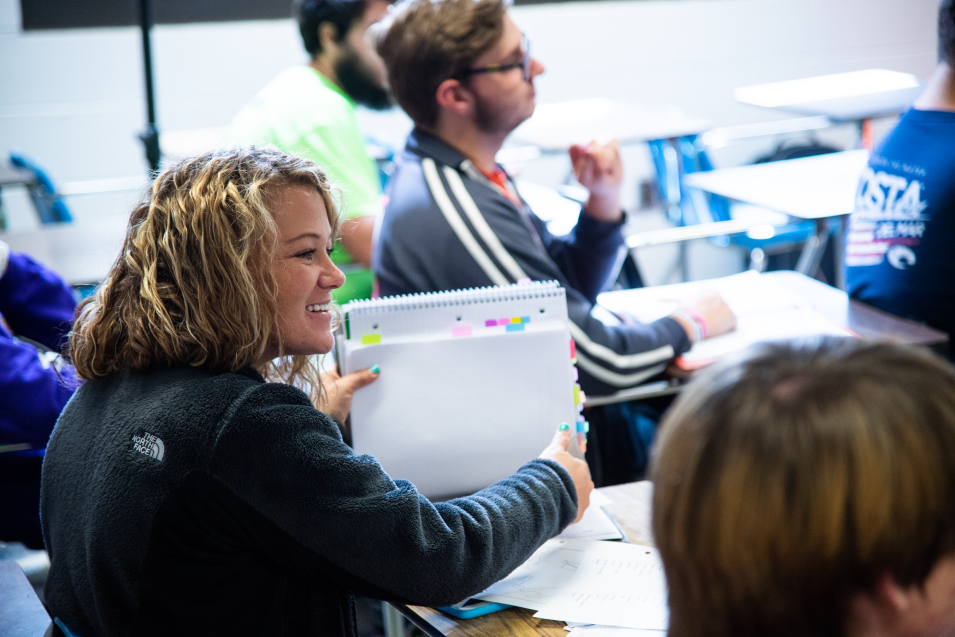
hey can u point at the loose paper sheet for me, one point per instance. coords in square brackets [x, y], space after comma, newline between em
[614, 584]
[596, 523]
[608, 583]
[541, 577]
[613, 631]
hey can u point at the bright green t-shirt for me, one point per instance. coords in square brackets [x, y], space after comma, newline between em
[305, 114]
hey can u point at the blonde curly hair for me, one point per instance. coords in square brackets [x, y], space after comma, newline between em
[194, 284]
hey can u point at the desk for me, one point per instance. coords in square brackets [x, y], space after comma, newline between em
[21, 613]
[864, 320]
[834, 304]
[556, 127]
[815, 188]
[631, 510]
[81, 252]
[857, 96]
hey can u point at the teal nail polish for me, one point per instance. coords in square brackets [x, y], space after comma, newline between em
[375, 369]
[563, 426]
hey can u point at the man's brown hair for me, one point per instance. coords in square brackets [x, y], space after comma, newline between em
[425, 42]
[793, 479]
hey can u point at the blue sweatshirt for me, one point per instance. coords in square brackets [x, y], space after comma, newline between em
[36, 304]
[899, 254]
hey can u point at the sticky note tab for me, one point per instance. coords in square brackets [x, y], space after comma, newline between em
[503, 321]
[525, 319]
[519, 327]
[576, 374]
[491, 323]
[516, 319]
[371, 339]
[573, 349]
[583, 426]
[461, 331]
[576, 394]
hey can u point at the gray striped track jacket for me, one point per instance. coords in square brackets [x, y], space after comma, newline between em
[446, 227]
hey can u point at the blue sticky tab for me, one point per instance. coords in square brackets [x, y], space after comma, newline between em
[514, 327]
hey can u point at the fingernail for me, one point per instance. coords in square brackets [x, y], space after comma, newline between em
[375, 369]
[563, 427]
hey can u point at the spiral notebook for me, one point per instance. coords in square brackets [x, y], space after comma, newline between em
[473, 383]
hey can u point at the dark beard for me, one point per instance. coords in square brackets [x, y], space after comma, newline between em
[360, 84]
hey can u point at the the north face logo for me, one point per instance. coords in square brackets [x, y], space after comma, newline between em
[149, 445]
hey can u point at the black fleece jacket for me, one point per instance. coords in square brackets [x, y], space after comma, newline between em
[181, 502]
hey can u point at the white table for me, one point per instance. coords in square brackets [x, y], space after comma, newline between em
[818, 188]
[857, 96]
[556, 127]
[81, 252]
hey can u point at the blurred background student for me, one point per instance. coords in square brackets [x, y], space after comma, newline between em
[807, 490]
[36, 313]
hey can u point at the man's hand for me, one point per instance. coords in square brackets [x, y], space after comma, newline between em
[578, 469]
[339, 390]
[599, 169]
[710, 308]
[716, 313]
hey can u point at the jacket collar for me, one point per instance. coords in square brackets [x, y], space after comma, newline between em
[425, 144]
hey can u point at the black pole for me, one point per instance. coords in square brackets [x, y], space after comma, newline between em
[150, 136]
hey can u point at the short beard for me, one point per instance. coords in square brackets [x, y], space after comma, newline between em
[360, 84]
[490, 121]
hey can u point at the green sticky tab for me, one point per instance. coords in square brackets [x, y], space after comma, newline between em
[347, 328]
[576, 395]
[371, 339]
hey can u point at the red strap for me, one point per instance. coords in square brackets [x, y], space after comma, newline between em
[499, 179]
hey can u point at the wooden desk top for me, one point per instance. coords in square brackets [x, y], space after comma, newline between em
[808, 188]
[630, 508]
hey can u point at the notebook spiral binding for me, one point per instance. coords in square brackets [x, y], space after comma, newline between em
[470, 296]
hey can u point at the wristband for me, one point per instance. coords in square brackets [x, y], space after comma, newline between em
[692, 319]
[699, 320]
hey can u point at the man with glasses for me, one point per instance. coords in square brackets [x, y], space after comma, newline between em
[463, 71]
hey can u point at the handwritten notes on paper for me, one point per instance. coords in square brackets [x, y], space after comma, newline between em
[589, 582]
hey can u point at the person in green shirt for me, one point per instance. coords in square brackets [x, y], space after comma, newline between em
[309, 111]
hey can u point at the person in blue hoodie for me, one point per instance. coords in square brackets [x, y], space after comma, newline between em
[36, 313]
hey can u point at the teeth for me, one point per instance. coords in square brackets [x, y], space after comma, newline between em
[326, 307]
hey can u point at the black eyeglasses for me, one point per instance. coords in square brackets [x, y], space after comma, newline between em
[524, 64]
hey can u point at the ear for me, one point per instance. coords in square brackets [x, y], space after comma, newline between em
[328, 36]
[454, 97]
[889, 593]
[874, 611]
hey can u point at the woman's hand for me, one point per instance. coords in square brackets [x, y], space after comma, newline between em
[339, 390]
[578, 469]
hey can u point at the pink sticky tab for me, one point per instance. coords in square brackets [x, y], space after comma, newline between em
[506, 321]
[573, 349]
[461, 331]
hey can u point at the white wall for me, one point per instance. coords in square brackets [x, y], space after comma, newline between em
[74, 98]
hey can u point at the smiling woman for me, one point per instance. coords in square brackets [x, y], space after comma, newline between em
[183, 494]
